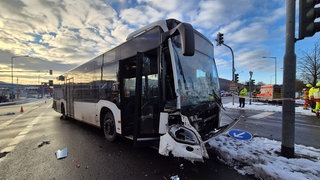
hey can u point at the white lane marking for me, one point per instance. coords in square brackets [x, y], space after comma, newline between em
[5, 124]
[49, 105]
[261, 115]
[20, 137]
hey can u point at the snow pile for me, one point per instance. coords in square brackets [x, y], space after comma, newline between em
[261, 157]
[267, 107]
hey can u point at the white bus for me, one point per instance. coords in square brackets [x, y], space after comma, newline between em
[160, 87]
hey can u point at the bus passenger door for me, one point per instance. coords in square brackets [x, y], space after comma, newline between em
[146, 125]
[69, 98]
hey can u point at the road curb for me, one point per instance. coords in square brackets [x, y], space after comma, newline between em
[7, 103]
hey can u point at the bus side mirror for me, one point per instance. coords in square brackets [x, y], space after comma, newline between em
[186, 33]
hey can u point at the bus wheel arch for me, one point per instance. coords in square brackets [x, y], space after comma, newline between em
[108, 125]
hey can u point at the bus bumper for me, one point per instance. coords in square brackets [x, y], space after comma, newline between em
[183, 142]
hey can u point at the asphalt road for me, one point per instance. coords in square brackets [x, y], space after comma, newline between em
[30, 139]
[269, 124]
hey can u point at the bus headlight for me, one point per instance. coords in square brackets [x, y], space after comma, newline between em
[183, 135]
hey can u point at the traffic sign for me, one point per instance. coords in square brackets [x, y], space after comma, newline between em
[240, 134]
[233, 86]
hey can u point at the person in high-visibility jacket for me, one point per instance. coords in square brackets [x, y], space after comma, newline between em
[306, 96]
[316, 94]
[242, 96]
[311, 99]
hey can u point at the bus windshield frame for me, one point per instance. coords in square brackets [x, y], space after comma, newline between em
[197, 75]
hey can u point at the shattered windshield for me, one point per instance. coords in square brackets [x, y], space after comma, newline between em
[197, 75]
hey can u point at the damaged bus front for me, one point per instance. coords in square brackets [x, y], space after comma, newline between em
[191, 114]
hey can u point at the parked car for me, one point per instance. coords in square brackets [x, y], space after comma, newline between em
[3, 98]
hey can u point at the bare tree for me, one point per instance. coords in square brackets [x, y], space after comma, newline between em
[309, 64]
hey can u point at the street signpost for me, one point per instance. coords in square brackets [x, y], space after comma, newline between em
[240, 134]
[233, 88]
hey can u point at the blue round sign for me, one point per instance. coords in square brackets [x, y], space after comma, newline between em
[240, 134]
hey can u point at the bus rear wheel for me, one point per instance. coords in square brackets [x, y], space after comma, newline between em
[109, 127]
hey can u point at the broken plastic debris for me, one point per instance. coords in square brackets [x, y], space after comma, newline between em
[43, 143]
[6, 114]
[62, 153]
[3, 154]
[176, 177]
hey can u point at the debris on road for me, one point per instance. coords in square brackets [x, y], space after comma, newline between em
[9, 113]
[181, 166]
[43, 143]
[62, 153]
[3, 154]
[176, 177]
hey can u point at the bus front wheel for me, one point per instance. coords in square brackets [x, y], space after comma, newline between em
[109, 127]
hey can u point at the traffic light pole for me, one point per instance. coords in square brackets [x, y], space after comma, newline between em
[289, 78]
[233, 70]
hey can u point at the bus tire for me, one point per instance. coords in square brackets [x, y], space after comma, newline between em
[109, 127]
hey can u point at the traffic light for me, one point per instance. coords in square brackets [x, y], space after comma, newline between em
[236, 78]
[252, 82]
[219, 39]
[61, 78]
[50, 71]
[307, 15]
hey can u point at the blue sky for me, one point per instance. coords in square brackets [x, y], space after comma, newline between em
[61, 34]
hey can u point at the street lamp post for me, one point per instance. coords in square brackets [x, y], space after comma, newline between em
[12, 57]
[250, 86]
[275, 68]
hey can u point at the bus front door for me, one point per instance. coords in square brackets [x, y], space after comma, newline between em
[146, 125]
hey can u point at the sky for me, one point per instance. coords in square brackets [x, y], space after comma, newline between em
[62, 34]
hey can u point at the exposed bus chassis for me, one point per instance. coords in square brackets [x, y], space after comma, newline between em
[186, 137]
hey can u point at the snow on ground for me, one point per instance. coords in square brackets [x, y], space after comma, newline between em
[268, 107]
[261, 156]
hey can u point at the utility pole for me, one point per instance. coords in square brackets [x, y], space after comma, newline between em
[250, 86]
[289, 78]
[233, 69]
[12, 89]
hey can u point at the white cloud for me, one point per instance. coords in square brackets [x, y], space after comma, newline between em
[121, 31]
[88, 19]
[166, 5]
[132, 16]
[254, 33]
[74, 31]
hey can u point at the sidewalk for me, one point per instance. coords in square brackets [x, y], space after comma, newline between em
[19, 101]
